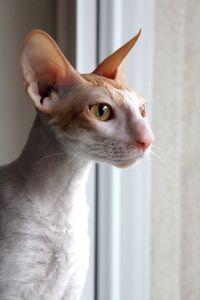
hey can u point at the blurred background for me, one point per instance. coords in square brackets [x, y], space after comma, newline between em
[145, 221]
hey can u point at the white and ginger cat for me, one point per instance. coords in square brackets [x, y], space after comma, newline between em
[44, 245]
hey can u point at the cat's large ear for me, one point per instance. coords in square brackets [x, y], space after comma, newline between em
[113, 66]
[45, 70]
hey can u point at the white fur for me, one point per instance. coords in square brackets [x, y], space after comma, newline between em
[44, 245]
[132, 101]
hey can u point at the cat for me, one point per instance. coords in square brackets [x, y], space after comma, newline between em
[44, 246]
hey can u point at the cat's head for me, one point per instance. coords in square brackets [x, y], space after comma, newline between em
[95, 115]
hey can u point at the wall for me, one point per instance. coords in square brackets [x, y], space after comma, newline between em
[17, 112]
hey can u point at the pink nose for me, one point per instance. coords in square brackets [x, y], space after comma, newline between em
[145, 142]
[142, 133]
[143, 145]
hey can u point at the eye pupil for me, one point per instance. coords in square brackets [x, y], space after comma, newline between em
[102, 110]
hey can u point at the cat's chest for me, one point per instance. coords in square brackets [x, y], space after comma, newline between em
[46, 229]
[69, 249]
[56, 240]
[65, 226]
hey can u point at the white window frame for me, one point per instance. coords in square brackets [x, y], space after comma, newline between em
[123, 260]
[86, 20]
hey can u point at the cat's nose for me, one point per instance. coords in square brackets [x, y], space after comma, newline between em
[143, 145]
[143, 134]
[145, 142]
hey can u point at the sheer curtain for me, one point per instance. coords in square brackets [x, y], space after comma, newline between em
[175, 262]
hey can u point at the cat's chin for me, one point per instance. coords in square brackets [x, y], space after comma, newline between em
[127, 163]
[123, 163]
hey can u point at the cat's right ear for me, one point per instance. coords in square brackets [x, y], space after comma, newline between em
[45, 70]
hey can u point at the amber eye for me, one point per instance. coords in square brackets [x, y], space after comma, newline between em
[101, 111]
[143, 110]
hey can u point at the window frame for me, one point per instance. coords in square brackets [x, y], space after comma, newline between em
[123, 214]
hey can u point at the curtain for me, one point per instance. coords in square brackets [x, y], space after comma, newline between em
[175, 228]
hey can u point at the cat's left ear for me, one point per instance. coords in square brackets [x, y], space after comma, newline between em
[46, 71]
[113, 66]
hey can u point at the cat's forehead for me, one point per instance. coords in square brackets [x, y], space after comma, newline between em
[118, 92]
[130, 99]
[100, 81]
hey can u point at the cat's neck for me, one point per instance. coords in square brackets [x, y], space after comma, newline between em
[45, 189]
[46, 169]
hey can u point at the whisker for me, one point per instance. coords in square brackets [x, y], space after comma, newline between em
[93, 147]
[156, 155]
[154, 146]
[162, 153]
[49, 156]
[73, 158]
[97, 144]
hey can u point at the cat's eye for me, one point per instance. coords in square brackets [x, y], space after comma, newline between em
[101, 111]
[143, 110]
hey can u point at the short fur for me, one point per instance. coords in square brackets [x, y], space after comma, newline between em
[44, 246]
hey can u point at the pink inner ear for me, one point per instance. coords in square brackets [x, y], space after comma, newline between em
[44, 66]
[120, 74]
[113, 66]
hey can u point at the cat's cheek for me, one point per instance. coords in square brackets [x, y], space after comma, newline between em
[108, 129]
